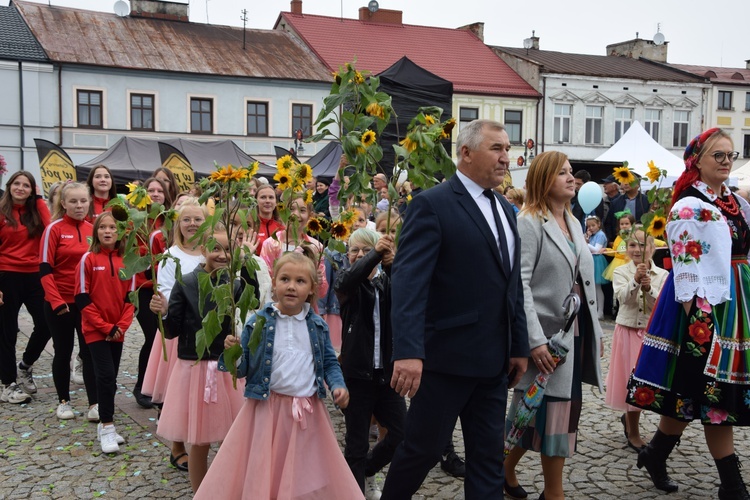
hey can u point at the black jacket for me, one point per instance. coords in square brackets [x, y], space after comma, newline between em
[611, 226]
[184, 319]
[356, 294]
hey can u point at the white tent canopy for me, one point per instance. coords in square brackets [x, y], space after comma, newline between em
[638, 148]
[742, 174]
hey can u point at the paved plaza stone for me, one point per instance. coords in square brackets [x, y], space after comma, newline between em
[42, 457]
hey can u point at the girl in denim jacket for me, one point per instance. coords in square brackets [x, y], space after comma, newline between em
[282, 444]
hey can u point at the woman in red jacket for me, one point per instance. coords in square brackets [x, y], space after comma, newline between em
[65, 241]
[106, 313]
[23, 217]
[269, 222]
[102, 186]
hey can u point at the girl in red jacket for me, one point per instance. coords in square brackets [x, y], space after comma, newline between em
[102, 186]
[106, 313]
[23, 217]
[64, 242]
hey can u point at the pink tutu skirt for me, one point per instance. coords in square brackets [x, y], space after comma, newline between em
[200, 404]
[283, 448]
[157, 374]
[626, 345]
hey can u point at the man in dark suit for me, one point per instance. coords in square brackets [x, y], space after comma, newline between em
[631, 199]
[459, 327]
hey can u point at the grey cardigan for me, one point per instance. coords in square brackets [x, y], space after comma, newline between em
[547, 272]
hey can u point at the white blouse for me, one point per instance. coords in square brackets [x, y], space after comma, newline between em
[293, 365]
[166, 277]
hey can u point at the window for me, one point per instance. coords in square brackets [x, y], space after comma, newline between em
[201, 116]
[563, 113]
[681, 126]
[302, 118]
[747, 101]
[725, 100]
[652, 123]
[141, 112]
[594, 124]
[623, 120]
[466, 115]
[257, 118]
[746, 147]
[513, 125]
[89, 109]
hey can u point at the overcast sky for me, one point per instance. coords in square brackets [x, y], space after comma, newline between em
[698, 32]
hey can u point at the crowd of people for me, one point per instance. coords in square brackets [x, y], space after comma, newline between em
[456, 317]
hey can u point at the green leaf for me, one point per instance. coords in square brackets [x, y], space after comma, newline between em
[231, 356]
[206, 335]
[205, 287]
[256, 336]
[245, 303]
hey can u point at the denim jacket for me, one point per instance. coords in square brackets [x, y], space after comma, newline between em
[257, 367]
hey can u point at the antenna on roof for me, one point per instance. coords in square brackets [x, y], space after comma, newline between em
[121, 8]
[244, 24]
[659, 36]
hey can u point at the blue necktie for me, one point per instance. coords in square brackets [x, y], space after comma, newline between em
[500, 231]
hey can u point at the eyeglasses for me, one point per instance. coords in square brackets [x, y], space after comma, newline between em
[196, 220]
[355, 250]
[731, 156]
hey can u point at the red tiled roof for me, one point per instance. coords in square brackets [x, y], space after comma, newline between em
[86, 37]
[733, 76]
[453, 54]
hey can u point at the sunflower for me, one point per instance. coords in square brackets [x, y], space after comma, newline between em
[280, 206]
[336, 77]
[368, 138]
[339, 231]
[139, 199]
[348, 217]
[358, 78]
[375, 109]
[303, 172]
[120, 213]
[429, 120]
[251, 170]
[308, 196]
[226, 174]
[131, 187]
[285, 162]
[448, 126]
[314, 226]
[653, 173]
[284, 179]
[657, 226]
[623, 175]
[408, 144]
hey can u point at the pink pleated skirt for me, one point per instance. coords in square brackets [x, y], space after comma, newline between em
[157, 374]
[284, 448]
[626, 345]
[200, 404]
[334, 329]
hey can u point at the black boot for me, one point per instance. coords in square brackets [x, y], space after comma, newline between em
[654, 458]
[732, 486]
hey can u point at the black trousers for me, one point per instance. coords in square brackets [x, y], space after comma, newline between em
[105, 358]
[368, 398]
[20, 289]
[149, 325]
[440, 400]
[64, 327]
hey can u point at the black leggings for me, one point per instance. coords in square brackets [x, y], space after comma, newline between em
[63, 328]
[149, 325]
[105, 358]
[20, 289]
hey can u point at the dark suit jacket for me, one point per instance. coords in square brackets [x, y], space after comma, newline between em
[452, 305]
[611, 227]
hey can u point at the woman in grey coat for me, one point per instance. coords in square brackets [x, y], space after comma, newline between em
[554, 262]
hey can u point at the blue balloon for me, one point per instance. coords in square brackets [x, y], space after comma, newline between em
[589, 196]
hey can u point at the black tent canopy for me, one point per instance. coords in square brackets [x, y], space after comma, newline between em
[410, 87]
[132, 158]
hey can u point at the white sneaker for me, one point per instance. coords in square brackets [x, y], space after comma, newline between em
[26, 380]
[372, 490]
[118, 438]
[93, 414]
[65, 411]
[108, 439]
[76, 371]
[14, 394]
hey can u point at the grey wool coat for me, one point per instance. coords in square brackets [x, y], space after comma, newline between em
[547, 273]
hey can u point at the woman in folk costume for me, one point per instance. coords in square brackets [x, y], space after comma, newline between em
[695, 359]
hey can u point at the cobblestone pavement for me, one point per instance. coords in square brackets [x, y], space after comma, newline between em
[40, 457]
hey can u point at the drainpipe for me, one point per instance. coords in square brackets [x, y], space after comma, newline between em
[59, 106]
[21, 127]
[544, 109]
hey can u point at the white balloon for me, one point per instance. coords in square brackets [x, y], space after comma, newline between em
[589, 196]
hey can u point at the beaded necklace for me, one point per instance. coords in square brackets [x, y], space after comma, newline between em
[731, 207]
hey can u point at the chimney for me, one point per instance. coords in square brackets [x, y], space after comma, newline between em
[153, 9]
[297, 7]
[383, 16]
[747, 63]
[476, 28]
[639, 47]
